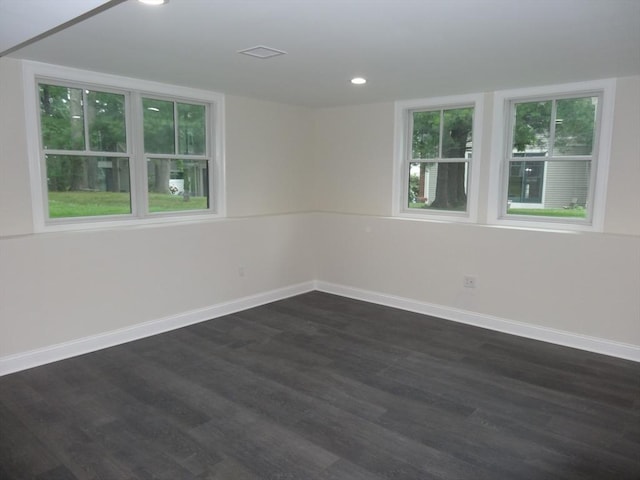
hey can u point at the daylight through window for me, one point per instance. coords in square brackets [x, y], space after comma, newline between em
[95, 167]
[439, 167]
[550, 164]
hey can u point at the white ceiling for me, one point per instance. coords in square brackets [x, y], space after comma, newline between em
[22, 20]
[405, 48]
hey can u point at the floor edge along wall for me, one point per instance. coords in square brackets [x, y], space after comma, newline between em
[33, 358]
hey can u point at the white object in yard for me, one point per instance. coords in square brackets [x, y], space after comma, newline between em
[176, 186]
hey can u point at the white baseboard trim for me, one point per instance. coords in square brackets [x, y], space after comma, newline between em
[33, 358]
[535, 332]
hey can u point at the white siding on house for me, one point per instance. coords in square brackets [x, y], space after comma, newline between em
[430, 183]
[566, 184]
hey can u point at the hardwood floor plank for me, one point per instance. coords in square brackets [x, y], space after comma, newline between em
[23, 453]
[321, 387]
[59, 473]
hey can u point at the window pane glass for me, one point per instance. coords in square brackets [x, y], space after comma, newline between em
[456, 133]
[426, 135]
[159, 132]
[441, 186]
[526, 180]
[531, 129]
[178, 185]
[87, 186]
[107, 132]
[575, 126]
[191, 129]
[550, 189]
[61, 117]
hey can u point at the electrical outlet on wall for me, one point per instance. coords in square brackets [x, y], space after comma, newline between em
[470, 281]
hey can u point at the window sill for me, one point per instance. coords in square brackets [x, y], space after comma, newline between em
[545, 225]
[506, 224]
[128, 223]
[436, 216]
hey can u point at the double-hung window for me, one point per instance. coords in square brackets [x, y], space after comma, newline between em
[175, 145]
[437, 166]
[86, 151]
[553, 156]
[112, 150]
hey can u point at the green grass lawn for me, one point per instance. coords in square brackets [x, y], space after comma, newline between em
[538, 212]
[549, 212]
[89, 204]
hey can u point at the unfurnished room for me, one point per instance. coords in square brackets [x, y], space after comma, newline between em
[320, 239]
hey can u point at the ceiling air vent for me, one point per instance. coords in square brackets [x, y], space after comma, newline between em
[260, 51]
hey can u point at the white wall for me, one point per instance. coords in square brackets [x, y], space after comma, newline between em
[623, 194]
[65, 286]
[587, 284]
[268, 158]
[353, 159]
[584, 283]
[283, 162]
[60, 287]
[15, 196]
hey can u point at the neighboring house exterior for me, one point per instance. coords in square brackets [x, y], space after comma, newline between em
[532, 183]
[549, 184]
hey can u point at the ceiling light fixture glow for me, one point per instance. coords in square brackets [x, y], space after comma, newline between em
[154, 2]
[358, 80]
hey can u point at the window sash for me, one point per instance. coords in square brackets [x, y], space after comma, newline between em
[510, 158]
[405, 205]
[134, 132]
[176, 124]
[85, 88]
[427, 184]
[512, 104]
[403, 156]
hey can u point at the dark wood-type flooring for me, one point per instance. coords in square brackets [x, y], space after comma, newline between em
[321, 387]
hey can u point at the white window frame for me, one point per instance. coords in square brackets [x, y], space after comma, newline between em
[498, 180]
[134, 89]
[403, 150]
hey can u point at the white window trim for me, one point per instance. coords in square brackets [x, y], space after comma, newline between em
[501, 104]
[35, 71]
[401, 150]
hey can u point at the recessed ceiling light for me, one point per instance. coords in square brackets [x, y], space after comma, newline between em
[358, 81]
[154, 2]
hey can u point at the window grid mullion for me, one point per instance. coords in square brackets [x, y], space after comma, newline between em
[85, 120]
[176, 136]
[407, 164]
[552, 128]
[441, 133]
[176, 156]
[85, 153]
[139, 165]
[508, 158]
